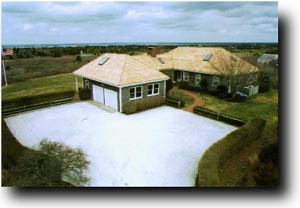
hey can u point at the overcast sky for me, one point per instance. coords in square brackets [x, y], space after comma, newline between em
[100, 22]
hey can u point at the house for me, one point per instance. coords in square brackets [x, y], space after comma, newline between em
[268, 59]
[123, 83]
[189, 66]
[134, 83]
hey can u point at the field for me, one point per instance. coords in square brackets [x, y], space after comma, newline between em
[57, 83]
[22, 69]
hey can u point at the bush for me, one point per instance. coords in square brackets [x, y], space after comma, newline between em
[72, 161]
[169, 85]
[264, 82]
[222, 91]
[204, 85]
[186, 86]
[78, 58]
[214, 157]
[37, 169]
[265, 171]
[84, 93]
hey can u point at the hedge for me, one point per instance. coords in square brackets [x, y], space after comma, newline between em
[34, 99]
[214, 157]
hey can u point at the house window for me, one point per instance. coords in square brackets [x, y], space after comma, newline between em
[216, 81]
[185, 76]
[179, 76]
[198, 78]
[135, 92]
[153, 89]
[86, 83]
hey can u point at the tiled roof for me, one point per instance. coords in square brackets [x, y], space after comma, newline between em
[192, 59]
[119, 70]
[122, 69]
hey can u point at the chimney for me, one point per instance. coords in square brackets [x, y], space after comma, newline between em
[152, 51]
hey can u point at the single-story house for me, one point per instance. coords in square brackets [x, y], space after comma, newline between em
[134, 83]
[123, 83]
[267, 59]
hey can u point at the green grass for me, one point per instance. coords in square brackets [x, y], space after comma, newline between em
[176, 94]
[37, 86]
[28, 68]
[262, 105]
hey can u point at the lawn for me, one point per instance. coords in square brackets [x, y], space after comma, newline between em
[57, 83]
[176, 94]
[263, 105]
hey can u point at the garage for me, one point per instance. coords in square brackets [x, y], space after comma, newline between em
[105, 96]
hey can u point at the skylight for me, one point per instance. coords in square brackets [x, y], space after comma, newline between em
[207, 57]
[102, 60]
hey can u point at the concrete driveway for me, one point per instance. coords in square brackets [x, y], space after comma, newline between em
[157, 147]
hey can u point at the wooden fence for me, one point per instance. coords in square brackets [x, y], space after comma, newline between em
[25, 108]
[219, 116]
[174, 103]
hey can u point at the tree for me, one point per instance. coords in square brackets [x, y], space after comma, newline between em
[233, 69]
[78, 58]
[35, 168]
[74, 163]
[52, 163]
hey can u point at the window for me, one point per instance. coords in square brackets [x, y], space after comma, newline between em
[135, 92]
[179, 76]
[86, 83]
[216, 81]
[153, 89]
[198, 78]
[185, 76]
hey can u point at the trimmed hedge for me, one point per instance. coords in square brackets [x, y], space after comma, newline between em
[34, 99]
[216, 154]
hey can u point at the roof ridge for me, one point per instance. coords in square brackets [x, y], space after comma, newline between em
[123, 68]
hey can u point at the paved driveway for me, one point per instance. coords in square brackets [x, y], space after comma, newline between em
[157, 147]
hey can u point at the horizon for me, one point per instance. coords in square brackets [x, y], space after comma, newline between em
[36, 23]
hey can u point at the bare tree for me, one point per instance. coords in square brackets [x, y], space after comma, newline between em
[74, 163]
[233, 69]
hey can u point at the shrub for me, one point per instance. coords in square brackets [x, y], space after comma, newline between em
[265, 171]
[264, 81]
[72, 161]
[216, 154]
[222, 91]
[169, 85]
[204, 85]
[37, 169]
[84, 93]
[186, 86]
[78, 58]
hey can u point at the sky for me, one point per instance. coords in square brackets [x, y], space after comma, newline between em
[109, 22]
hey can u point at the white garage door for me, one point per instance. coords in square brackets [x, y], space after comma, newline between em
[111, 98]
[98, 94]
[105, 96]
